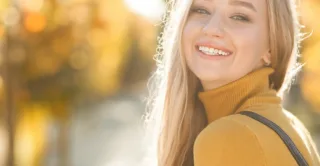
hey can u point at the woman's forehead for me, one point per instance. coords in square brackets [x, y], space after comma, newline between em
[259, 6]
[255, 3]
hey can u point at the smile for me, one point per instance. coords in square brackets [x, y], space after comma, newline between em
[212, 51]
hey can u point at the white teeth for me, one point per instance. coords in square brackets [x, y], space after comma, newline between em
[212, 51]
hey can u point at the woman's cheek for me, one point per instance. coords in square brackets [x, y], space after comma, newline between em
[197, 23]
[187, 38]
[243, 42]
[191, 31]
[242, 38]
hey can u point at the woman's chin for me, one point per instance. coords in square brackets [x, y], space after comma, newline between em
[209, 77]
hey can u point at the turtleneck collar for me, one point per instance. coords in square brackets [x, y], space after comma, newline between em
[252, 89]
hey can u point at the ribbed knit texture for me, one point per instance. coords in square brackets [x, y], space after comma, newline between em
[236, 140]
[228, 99]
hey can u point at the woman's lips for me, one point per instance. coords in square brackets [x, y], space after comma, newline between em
[214, 46]
[210, 51]
[212, 57]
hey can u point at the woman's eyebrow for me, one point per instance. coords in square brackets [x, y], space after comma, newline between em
[242, 3]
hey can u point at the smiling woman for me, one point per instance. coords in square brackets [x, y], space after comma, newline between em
[216, 95]
[231, 27]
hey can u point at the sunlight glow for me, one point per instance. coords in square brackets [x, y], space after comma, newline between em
[151, 9]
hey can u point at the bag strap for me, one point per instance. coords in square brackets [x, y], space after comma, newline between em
[283, 135]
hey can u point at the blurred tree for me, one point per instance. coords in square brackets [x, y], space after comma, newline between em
[63, 51]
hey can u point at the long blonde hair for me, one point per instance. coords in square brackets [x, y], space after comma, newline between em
[174, 107]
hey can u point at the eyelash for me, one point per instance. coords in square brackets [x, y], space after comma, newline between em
[199, 10]
[240, 17]
[237, 17]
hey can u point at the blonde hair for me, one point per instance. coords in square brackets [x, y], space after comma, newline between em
[178, 114]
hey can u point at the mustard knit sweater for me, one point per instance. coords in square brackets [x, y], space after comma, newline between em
[233, 139]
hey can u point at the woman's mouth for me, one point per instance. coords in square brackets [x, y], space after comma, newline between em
[213, 51]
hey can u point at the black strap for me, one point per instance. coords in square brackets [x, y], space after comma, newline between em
[283, 135]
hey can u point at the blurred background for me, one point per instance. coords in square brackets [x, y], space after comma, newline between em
[73, 79]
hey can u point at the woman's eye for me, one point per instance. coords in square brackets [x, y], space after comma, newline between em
[200, 11]
[240, 18]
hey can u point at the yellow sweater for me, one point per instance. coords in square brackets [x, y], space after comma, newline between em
[236, 140]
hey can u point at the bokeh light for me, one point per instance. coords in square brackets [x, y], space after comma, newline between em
[151, 9]
[11, 16]
[34, 22]
[30, 5]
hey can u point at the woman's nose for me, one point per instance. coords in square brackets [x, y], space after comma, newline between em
[214, 27]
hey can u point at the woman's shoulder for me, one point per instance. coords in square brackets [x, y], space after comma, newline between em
[245, 127]
[283, 118]
[239, 122]
[227, 142]
[230, 129]
[252, 138]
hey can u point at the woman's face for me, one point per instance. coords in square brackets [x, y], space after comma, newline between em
[223, 40]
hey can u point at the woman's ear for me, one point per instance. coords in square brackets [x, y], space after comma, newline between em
[267, 58]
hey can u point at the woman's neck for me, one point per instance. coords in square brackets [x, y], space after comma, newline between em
[232, 97]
